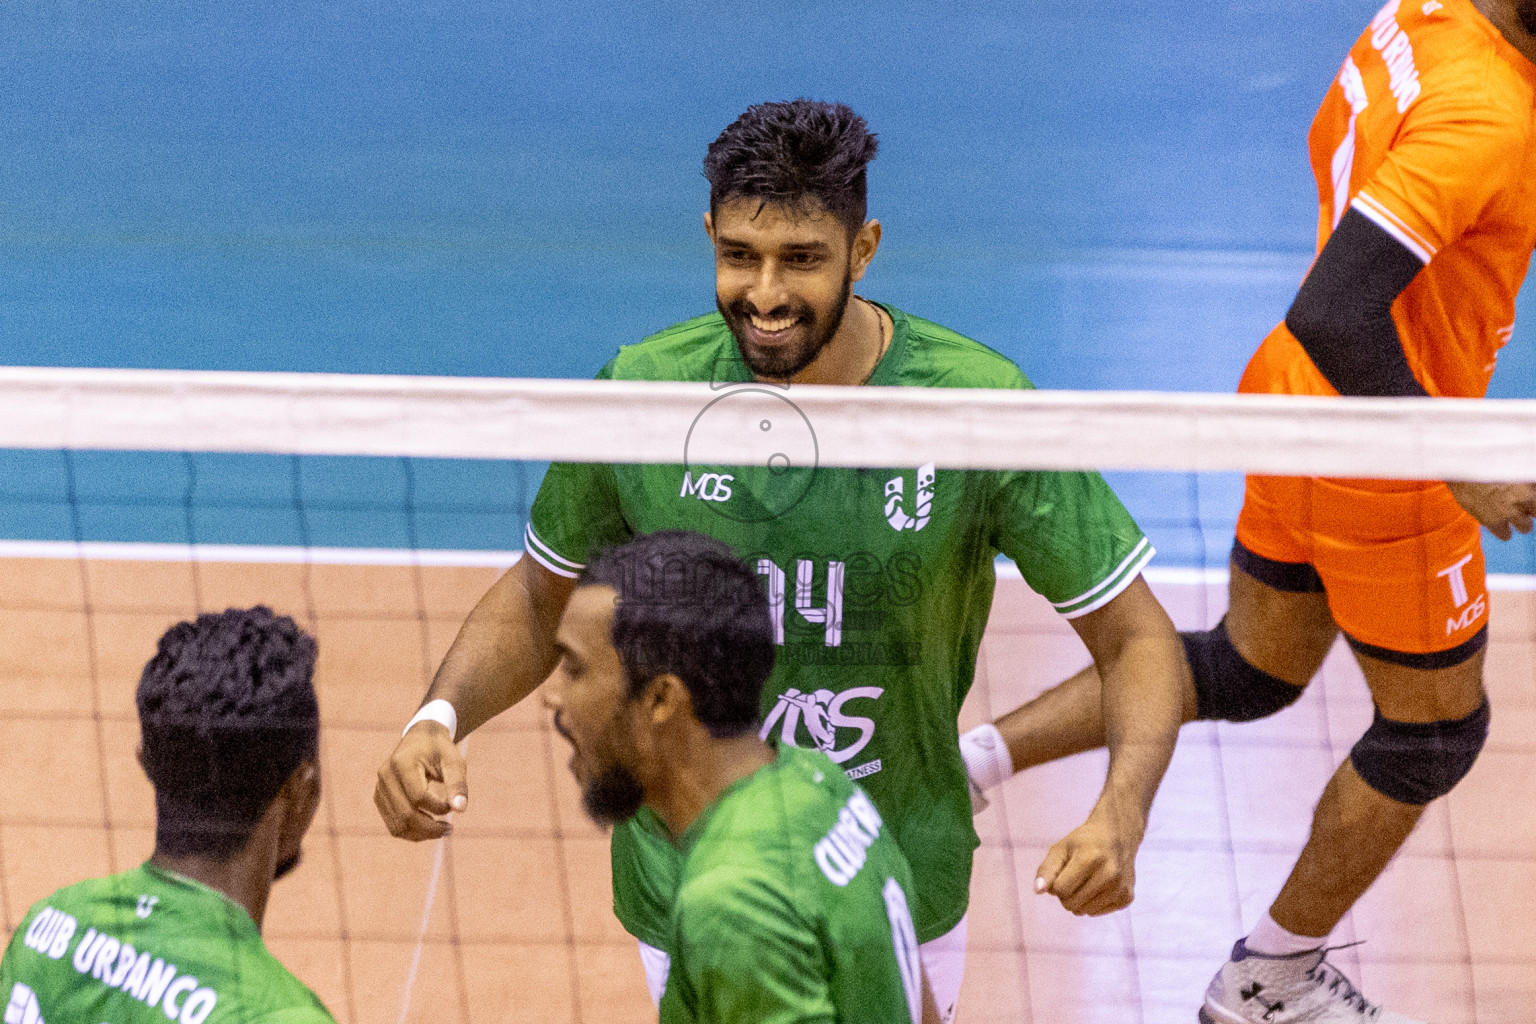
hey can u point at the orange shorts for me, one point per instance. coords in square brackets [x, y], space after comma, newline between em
[1401, 563]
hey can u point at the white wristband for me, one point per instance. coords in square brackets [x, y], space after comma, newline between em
[986, 756]
[439, 711]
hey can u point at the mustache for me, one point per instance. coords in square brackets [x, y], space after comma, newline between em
[743, 309]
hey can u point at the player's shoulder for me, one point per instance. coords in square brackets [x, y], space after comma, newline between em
[1464, 62]
[280, 996]
[764, 819]
[937, 356]
[89, 896]
[688, 351]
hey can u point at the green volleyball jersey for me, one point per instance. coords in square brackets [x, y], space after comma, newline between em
[147, 945]
[792, 906]
[880, 581]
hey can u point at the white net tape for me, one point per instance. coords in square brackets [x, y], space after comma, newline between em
[339, 414]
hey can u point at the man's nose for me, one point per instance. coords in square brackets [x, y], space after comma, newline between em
[768, 292]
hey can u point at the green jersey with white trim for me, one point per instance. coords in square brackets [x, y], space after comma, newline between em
[880, 581]
[147, 945]
[792, 906]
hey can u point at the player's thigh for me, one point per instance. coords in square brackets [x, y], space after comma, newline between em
[1409, 589]
[1278, 615]
[1405, 694]
[944, 966]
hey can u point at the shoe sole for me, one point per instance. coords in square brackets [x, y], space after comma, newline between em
[1207, 1016]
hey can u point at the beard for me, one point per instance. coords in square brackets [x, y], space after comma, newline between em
[286, 865]
[1525, 10]
[783, 363]
[613, 795]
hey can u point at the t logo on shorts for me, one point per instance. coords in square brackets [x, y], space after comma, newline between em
[1460, 597]
[1458, 584]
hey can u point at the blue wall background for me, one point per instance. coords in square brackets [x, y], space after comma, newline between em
[1116, 196]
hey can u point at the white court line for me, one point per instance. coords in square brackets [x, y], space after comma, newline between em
[1167, 575]
[421, 937]
[426, 915]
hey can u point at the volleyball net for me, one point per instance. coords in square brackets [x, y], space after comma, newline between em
[316, 467]
[378, 509]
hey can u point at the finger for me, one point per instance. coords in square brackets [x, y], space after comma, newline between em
[1500, 530]
[419, 827]
[1094, 883]
[1110, 900]
[403, 820]
[1079, 869]
[455, 778]
[390, 799]
[1045, 874]
[421, 772]
[1521, 522]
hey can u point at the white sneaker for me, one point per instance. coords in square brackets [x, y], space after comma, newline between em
[1303, 988]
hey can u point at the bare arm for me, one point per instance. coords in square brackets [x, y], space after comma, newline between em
[1140, 660]
[504, 650]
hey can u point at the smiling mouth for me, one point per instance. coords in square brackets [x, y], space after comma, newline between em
[774, 325]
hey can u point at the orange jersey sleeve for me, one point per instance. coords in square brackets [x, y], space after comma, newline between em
[1429, 130]
[1460, 145]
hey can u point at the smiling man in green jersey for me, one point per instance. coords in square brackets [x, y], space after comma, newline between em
[791, 903]
[230, 730]
[880, 579]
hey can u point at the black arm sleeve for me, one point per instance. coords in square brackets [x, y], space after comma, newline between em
[1343, 314]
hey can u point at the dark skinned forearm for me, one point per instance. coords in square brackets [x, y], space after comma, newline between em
[1144, 675]
[506, 646]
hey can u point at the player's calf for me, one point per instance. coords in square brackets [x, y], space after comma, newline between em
[1227, 686]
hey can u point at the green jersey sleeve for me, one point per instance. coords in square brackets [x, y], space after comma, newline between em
[576, 513]
[744, 956]
[1074, 543]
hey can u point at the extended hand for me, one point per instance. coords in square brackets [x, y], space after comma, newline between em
[422, 781]
[1093, 870]
[1499, 507]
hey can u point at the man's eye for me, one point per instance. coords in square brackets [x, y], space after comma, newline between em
[736, 255]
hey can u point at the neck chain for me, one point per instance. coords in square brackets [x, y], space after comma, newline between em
[885, 340]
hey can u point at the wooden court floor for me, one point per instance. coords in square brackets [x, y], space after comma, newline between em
[519, 926]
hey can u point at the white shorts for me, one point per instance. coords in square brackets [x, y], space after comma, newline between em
[943, 965]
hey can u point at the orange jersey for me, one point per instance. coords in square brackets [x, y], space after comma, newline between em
[1429, 130]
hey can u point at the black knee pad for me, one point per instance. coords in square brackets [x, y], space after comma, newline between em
[1226, 686]
[1416, 762]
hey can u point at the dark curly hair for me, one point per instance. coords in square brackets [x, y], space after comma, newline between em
[789, 153]
[227, 709]
[688, 606]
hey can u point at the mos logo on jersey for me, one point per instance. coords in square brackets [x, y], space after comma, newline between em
[822, 715]
[922, 500]
[708, 487]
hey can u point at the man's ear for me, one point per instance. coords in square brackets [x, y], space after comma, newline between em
[865, 241]
[303, 785]
[709, 225]
[667, 700]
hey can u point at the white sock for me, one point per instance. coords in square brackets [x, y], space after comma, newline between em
[1270, 939]
[986, 756]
